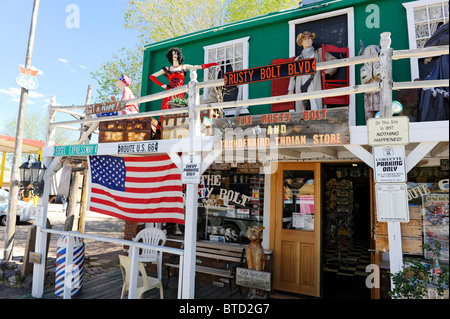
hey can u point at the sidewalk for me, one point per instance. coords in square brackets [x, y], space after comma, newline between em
[56, 210]
[100, 257]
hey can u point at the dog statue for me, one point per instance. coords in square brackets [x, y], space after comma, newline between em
[255, 252]
[255, 257]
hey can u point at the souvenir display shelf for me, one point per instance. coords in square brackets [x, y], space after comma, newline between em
[339, 212]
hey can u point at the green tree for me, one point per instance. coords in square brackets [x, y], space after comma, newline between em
[128, 62]
[159, 20]
[240, 10]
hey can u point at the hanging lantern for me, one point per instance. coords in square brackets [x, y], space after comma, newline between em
[37, 176]
[25, 172]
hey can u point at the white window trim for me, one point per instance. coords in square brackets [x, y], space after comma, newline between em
[245, 61]
[351, 45]
[409, 6]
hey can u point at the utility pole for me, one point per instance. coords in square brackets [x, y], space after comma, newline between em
[15, 176]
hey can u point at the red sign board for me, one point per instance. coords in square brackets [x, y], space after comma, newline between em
[27, 78]
[271, 72]
[28, 71]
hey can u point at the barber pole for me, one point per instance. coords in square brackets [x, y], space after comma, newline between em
[73, 271]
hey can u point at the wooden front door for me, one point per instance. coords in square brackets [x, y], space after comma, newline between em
[295, 220]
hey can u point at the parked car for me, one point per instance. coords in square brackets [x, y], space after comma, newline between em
[25, 211]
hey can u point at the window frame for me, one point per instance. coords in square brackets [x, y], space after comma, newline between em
[243, 89]
[410, 7]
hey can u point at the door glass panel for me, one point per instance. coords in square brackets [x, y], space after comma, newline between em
[298, 200]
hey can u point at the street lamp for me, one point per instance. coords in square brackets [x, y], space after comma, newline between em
[25, 173]
[37, 176]
[33, 173]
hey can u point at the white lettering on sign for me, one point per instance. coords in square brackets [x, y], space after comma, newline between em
[148, 147]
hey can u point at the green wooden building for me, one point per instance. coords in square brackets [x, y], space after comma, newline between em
[259, 41]
[303, 256]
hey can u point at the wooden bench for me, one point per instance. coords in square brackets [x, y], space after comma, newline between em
[228, 253]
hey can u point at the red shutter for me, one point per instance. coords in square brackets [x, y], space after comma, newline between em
[280, 87]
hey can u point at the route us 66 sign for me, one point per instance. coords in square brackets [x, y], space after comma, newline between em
[27, 79]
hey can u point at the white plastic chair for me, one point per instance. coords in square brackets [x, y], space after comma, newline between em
[156, 237]
[144, 282]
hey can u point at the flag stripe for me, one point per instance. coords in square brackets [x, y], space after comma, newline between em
[131, 210]
[138, 195]
[168, 197]
[141, 188]
[150, 159]
[149, 169]
[142, 219]
[158, 179]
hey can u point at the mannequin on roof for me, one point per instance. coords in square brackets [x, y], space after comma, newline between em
[175, 74]
[123, 83]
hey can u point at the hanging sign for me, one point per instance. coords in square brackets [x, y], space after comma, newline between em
[271, 72]
[76, 150]
[191, 169]
[389, 164]
[27, 79]
[285, 130]
[392, 202]
[137, 147]
[105, 107]
[388, 130]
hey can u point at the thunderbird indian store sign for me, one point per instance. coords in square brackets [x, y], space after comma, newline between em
[284, 130]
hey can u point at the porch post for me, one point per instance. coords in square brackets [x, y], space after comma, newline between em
[386, 75]
[190, 233]
[394, 230]
[41, 238]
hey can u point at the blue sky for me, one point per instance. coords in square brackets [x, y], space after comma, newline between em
[64, 53]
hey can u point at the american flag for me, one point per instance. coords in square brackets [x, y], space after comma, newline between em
[141, 189]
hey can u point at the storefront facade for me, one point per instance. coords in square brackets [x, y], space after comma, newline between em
[309, 180]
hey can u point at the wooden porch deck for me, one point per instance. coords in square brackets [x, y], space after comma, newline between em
[109, 286]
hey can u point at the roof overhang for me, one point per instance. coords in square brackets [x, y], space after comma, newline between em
[7, 144]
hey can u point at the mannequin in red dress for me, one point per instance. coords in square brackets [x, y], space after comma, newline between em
[175, 74]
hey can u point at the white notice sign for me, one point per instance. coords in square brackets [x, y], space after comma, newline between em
[389, 164]
[253, 278]
[388, 130]
[392, 202]
[191, 170]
